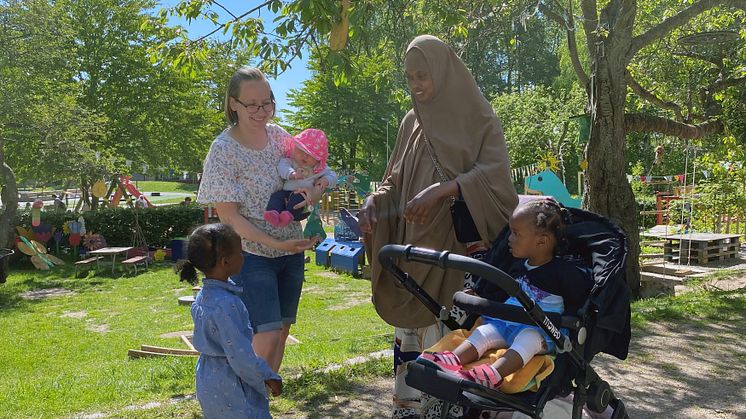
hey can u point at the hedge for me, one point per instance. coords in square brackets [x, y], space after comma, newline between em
[159, 224]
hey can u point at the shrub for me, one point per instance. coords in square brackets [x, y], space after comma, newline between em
[159, 225]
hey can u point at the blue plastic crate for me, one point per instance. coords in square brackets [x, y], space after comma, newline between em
[348, 256]
[322, 252]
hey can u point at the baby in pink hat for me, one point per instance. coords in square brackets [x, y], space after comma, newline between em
[303, 166]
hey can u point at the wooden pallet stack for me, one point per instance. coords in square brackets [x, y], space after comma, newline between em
[700, 248]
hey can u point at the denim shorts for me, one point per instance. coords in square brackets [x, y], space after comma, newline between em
[271, 289]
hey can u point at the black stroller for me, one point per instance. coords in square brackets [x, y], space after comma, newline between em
[602, 324]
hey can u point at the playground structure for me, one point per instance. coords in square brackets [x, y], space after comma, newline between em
[349, 193]
[670, 270]
[548, 183]
[121, 187]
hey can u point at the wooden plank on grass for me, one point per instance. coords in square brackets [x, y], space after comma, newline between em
[187, 339]
[134, 353]
[169, 351]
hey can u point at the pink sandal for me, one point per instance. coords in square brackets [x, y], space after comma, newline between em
[444, 361]
[484, 375]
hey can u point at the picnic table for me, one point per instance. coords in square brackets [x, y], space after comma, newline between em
[111, 252]
[700, 248]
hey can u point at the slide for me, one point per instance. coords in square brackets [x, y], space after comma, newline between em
[131, 189]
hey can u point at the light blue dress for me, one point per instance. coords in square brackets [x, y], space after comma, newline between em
[230, 376]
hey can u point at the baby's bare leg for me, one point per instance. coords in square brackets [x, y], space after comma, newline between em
[526, 344]
[466, 352]
[484, 338]
[509, 363]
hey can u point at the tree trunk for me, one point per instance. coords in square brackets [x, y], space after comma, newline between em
[9, 194]
[607, 190]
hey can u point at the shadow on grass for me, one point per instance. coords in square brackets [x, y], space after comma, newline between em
[695, 307]
[685, 352]
[683, 368]
[327, 394]
[25, 278]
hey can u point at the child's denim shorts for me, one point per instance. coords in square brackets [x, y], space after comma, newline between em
[271, 289]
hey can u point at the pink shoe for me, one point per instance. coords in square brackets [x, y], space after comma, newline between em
[484, 375]
[444, 361]
[286, 217]
[272, 217]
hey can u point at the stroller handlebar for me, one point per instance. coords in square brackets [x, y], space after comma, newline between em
[448, 260]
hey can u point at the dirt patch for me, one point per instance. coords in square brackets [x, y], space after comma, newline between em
[74, 314]
[369, 400]
[99, 328]
[46, 293]
[727, 284]
[177, 335]
[328, 274]
[352, 301]
[682, 370]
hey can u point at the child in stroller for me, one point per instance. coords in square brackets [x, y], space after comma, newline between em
[602, 324]
[557, 285]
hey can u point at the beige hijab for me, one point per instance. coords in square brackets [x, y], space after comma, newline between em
[469, 144]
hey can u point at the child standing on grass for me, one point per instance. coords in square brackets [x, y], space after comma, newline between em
[231, 380]
[555, 284]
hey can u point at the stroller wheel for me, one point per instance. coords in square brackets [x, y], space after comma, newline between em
[599, 395]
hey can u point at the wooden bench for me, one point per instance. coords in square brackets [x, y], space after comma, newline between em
[86, 262]
[135, 261]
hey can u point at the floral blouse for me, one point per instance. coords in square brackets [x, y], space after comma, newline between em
[235, 173]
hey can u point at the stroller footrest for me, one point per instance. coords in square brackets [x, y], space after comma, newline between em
[455, 390]
[437, 383]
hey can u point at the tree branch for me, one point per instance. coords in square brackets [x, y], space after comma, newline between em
[236, 19]
[718, 63]
[226, 10]
[572, 45]
[652, 98]
[590, 24]
[669, 24]
[637, 122]
[724, 84]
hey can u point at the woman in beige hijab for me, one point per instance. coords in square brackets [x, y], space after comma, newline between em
[412, 205]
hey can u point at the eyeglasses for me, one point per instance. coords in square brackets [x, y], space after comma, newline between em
[267, 107]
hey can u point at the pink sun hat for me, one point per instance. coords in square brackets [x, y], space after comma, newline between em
[314, 143]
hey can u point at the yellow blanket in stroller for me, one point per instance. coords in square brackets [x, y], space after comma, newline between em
[528, 378]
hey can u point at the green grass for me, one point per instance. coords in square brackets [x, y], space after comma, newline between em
[700, 306]
[67, 355]
[158, 186]
[307, 393]
[164, 200]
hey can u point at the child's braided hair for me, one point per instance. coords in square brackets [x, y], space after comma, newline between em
[205, 246]
[549, 217]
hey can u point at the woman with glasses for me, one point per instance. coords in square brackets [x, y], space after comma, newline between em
[240, 174]
[449, 146]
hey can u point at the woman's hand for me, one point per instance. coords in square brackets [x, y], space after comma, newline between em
[310, 195]
[295, 246]
[419, 209]
[366, 218]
